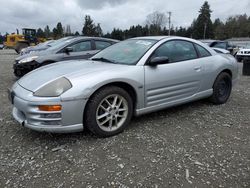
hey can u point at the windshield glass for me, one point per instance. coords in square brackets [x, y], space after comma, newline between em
[128, 52]
[59, 43]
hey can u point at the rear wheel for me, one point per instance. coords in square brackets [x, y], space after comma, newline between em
[108, 111]
[221, 89]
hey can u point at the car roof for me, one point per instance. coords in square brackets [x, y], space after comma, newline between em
[158, 38]
[90, 38]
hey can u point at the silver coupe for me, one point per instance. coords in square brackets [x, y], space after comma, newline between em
[133, 77]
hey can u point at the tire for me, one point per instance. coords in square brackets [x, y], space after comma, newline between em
[19, 73]
[221, 89]
[108, 111]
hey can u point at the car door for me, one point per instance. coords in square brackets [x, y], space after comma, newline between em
[176, 80]
[80, 50]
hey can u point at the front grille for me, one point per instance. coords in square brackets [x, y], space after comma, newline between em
[247, 52]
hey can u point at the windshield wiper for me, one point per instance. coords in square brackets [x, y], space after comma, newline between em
[103, 60]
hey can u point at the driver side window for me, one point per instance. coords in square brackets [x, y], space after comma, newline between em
[81, 46]
[176, 50]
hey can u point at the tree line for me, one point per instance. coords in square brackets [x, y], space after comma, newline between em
[202, 27]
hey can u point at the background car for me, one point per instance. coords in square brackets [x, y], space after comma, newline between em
[243, 53]
[72, 48]
[1, 46]
[39, 47]
[226, 45]
[43, 46]
[133, 77]
[221, 51]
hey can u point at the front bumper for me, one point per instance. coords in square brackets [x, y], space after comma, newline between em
[25, 67]
[26, 112]
[243, 56]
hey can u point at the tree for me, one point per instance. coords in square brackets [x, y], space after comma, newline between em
[98, 30]
[68, 31]
[47, 32]
[59, 29]
[55, 33]
[203, 27]
[156, 21]
[117, 34]
[219, 31]
[40, 33]
[77, 33]
[89, 28]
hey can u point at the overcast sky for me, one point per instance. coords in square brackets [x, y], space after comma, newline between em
[109, 13]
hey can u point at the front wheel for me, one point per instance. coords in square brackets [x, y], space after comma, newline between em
[108, 111]
[221, 89]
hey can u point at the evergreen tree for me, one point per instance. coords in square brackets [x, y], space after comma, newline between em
[40, 33]
[47, 32]
[98, 30]
[59, 29]
[55, 33]
[203, 27]
[89, 28]
[68, 31]
[77, 33]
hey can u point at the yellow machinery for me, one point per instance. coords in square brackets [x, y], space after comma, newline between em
[18, 41]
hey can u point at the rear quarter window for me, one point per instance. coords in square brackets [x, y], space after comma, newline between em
[202, 51]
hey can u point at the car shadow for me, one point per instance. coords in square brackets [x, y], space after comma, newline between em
[136, 123]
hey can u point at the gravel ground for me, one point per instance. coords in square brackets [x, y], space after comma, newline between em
[194, 145]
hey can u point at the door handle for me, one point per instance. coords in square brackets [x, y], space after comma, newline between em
[197, 68]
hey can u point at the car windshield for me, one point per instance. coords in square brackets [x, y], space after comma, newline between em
[59, 43]
[128, 52]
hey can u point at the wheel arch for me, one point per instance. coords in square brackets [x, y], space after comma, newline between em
[124, 85]
[227, 71]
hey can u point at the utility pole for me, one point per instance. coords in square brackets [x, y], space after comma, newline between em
[169, 22]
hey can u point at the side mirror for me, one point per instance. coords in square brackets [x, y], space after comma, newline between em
[158, 61]
[68, 50]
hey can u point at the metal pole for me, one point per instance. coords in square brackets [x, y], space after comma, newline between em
[169, 23]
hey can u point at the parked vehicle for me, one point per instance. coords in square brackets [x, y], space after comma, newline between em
[44, 46]
[20, 41]
[133, 77]
[1, 46]
[243, 53]
[221, 51]
[226, 45]
[73, 48]
[218, 50]
[39, 47]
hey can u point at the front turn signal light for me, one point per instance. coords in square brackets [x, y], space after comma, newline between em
[50, 108]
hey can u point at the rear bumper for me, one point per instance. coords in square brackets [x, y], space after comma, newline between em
[26, 113]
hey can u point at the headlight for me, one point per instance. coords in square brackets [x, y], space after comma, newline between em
[28, 59]
[54, 88]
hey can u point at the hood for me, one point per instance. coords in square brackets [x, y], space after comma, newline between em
[35, 53]
[69, 69]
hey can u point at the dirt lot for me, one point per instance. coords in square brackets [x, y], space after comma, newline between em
[194, 145]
